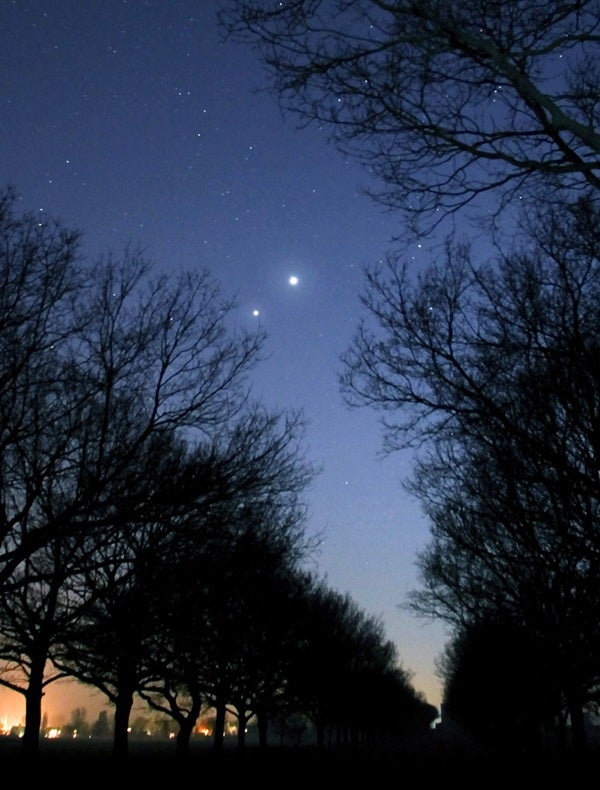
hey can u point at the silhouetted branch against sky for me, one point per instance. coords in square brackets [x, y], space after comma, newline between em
[446, 103]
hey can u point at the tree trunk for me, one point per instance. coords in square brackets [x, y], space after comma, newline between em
[122, 712]
[219, 726]
[33, 706]
[241, 739]
[186, 727]
[183, 737]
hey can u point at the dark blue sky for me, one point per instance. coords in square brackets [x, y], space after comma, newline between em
[133, 122]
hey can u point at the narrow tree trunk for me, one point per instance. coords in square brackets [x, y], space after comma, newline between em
[122, 713]
[219, 727]
[241, 740]
[33, 706]
[182, 740]
[186, 727]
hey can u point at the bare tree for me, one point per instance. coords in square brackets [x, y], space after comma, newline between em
[497, 686]
[493, 372]
[229, 508]
[40, 273]
[507, 546]
[107, 379]
[443, 101]
[344, 672]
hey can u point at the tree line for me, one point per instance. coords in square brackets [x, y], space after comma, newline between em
[152, 521]
[480, 120]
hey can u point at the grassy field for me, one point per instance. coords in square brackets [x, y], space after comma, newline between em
[431, 759]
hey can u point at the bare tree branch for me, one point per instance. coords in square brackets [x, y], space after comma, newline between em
[443, 102]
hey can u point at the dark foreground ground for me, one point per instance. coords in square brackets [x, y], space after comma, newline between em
[432, 761]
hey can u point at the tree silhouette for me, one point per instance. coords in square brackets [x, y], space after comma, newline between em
[345, 676]
[443, 102]
[492, 370]
[108, 371]
[152, 622]
[521, 703]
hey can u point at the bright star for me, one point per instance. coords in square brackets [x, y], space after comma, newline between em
[293, 280]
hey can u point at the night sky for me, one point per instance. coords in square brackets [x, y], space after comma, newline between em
[134, 123]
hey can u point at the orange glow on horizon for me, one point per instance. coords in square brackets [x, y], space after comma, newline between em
[58, 703]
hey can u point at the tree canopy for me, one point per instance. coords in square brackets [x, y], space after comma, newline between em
[444, 102]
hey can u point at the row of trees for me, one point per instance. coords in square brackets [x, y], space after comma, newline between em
[231, 624]
[504, 386]
[487, 364]
[152, 523]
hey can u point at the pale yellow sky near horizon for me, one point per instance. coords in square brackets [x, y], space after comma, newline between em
[60, 700]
